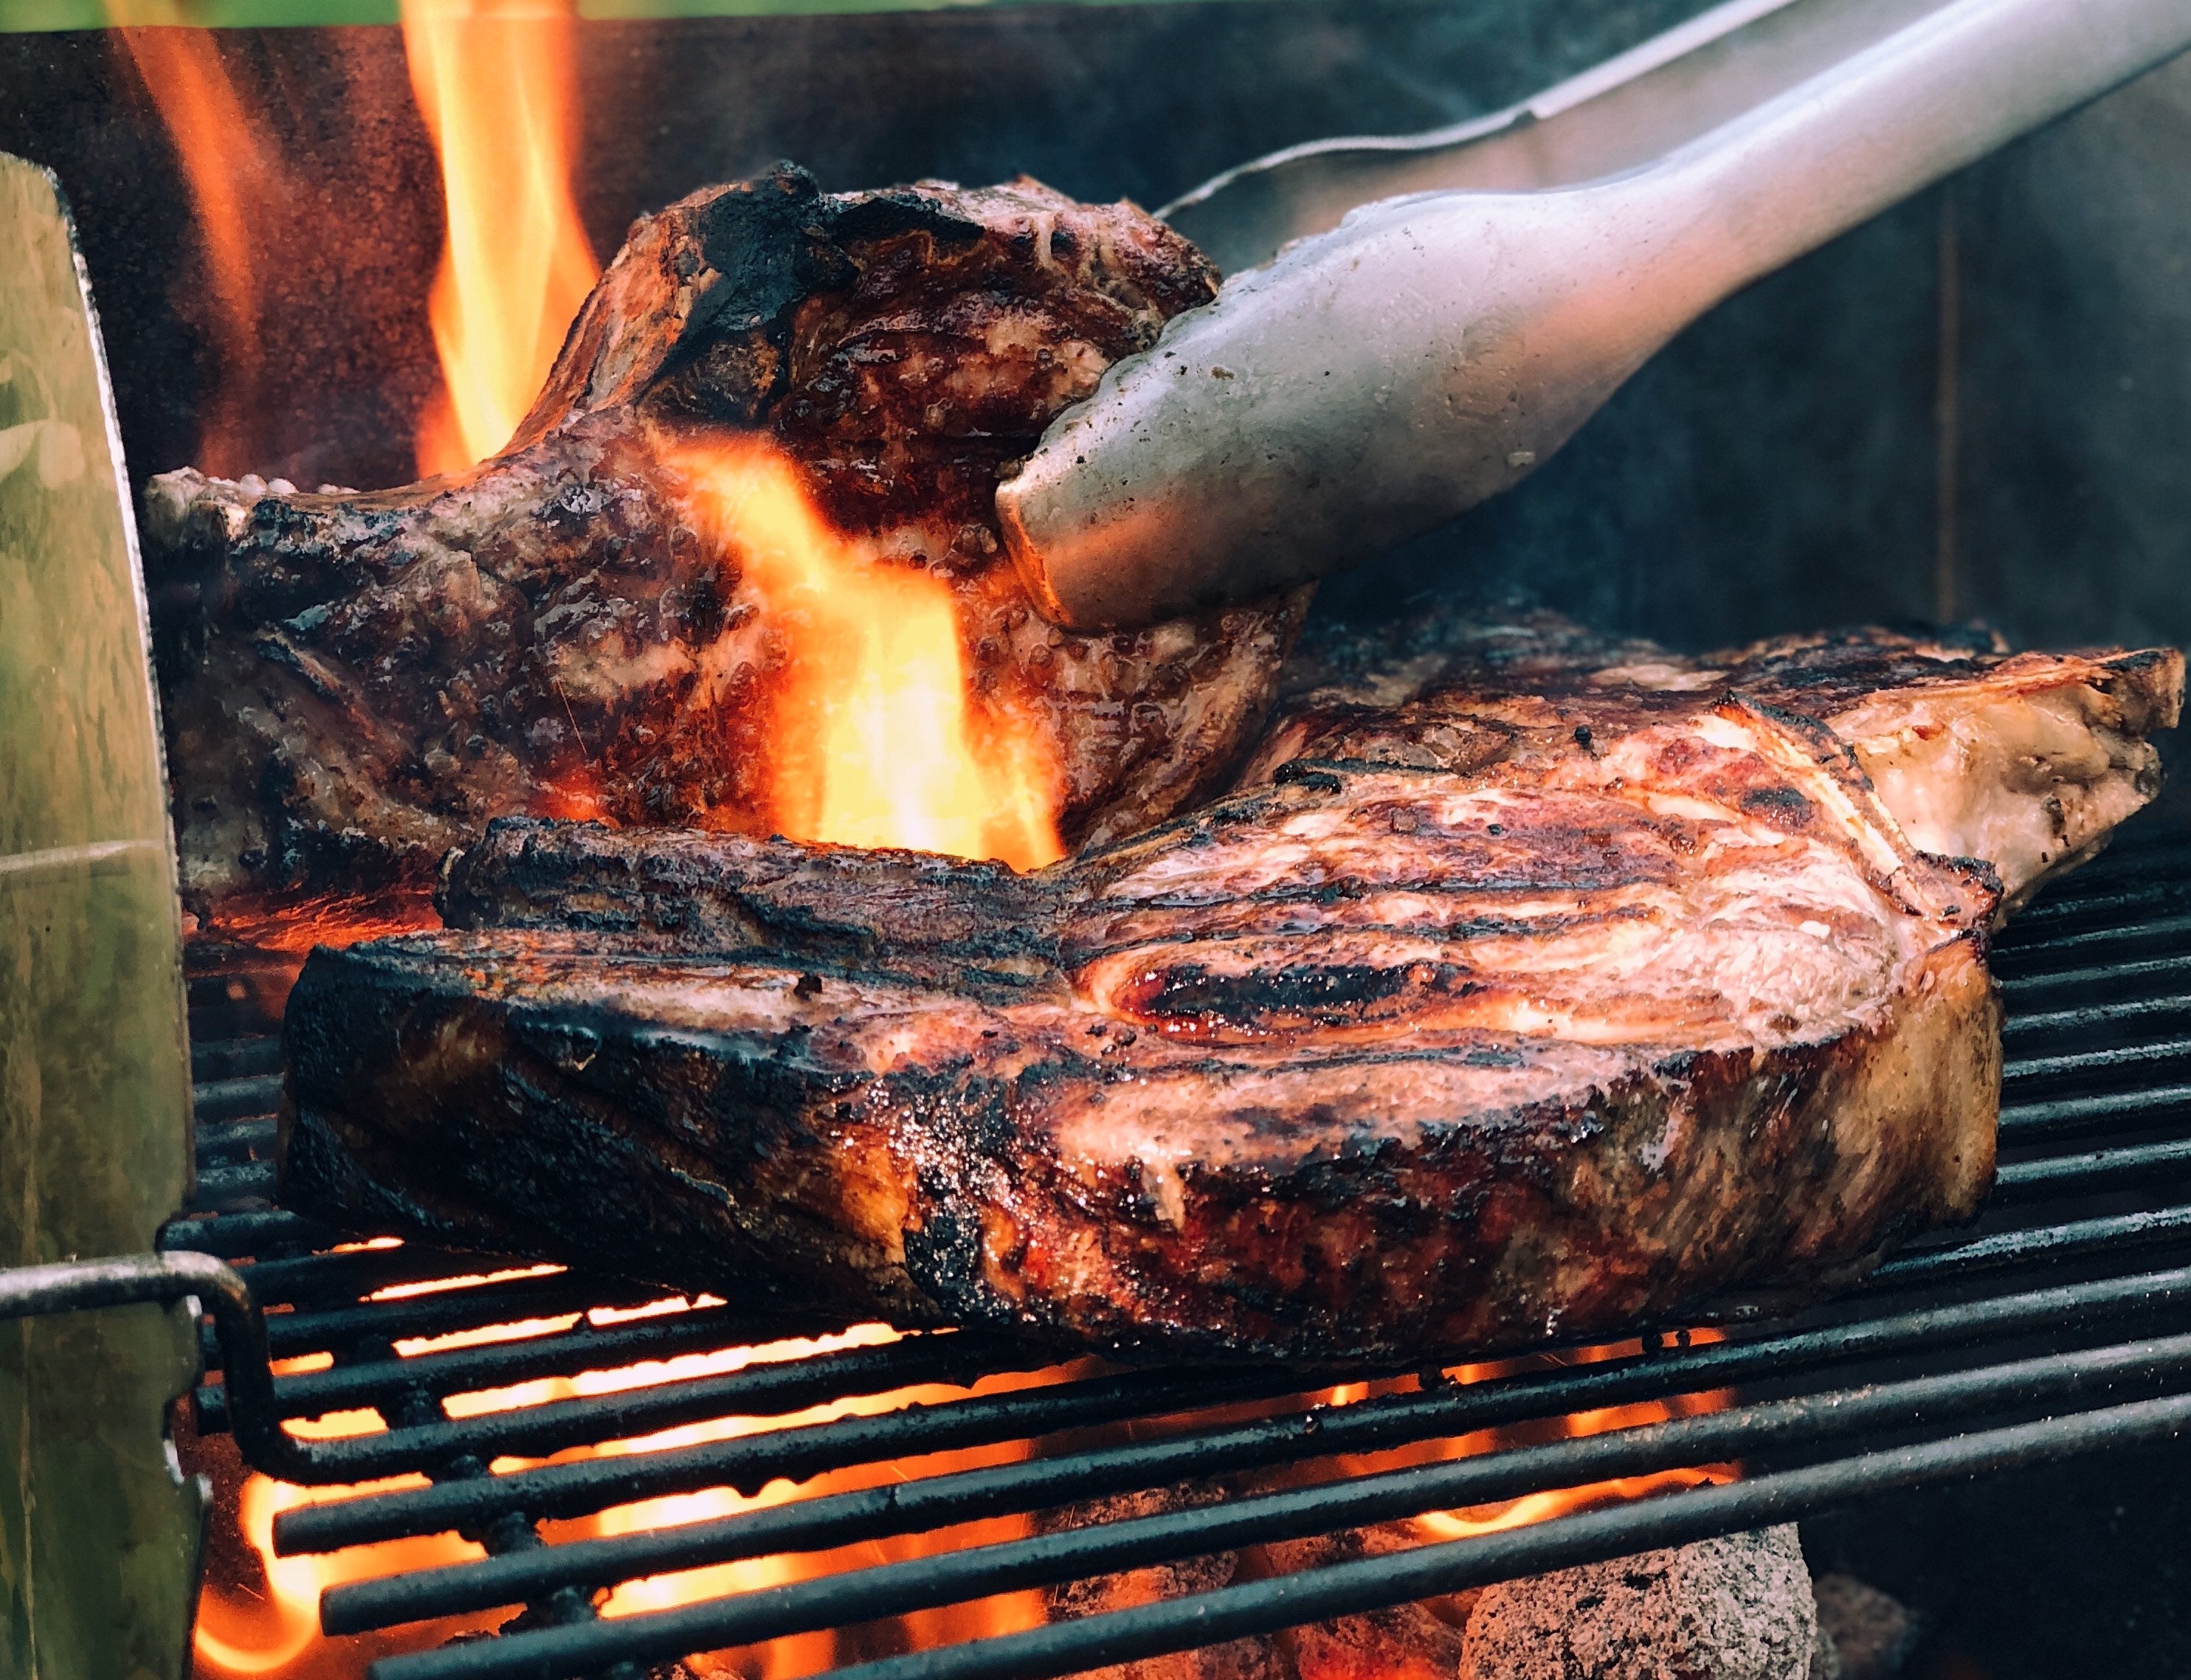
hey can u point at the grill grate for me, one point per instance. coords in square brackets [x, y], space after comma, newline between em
[2059, 1323]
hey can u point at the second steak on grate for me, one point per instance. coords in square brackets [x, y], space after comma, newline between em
[576, 626]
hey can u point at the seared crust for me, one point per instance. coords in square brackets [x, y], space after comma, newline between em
[1377, 1061]
[368, 678]
[2027, 760]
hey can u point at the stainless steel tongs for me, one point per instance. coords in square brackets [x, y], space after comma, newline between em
[1452, 306]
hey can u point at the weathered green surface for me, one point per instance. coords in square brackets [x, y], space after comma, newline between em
[98, 1538]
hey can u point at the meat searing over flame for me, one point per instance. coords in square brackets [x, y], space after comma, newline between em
[369, 677]
[2025, 761]
[1530, 1014]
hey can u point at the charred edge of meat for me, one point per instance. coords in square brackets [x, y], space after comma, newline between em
[939, 921]
[704, 298]
[694, 1158]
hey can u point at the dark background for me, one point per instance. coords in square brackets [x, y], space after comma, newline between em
[2078, 1572]
[1780, 467]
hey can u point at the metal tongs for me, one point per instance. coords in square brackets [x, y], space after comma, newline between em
[1435, 314]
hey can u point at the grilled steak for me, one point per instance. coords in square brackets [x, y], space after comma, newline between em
[2026, 761]
[1561, 1011]
[369, 677]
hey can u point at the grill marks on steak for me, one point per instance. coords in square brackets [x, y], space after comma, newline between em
[2026, 761]
[370, 677]
[1375, 1060]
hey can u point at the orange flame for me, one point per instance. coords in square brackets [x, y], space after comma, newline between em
[1541, 1506]
[241, 1635]
[230, 161]
[495, 83]
[807, 1653]
[877, 741]
[245, 1635]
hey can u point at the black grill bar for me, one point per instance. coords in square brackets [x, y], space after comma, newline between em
[237, 1098]
[2163, 937]
[311, 1280]
[2081, 1069]
[580, 1489]
[978, 1572]
[2047, 1244]
[1450, 1566]
[593, 1486]
[2084, 1018]
[2092, 1171]
[267, 1231]
[763, 1390]
[235, 1058]
[554, 1296]
[1955, 1333]
[1365, 1427]
[235, 1142]
[2097, 980]
[2108, 903]
[749, 1463]
[583, 1347]
[2074, 1116]
[227, 1189]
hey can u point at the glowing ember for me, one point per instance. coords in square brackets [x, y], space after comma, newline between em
[876, 739]
[806, 1654]
[273, 1633]
[291, 926]
[270, 1633]
[495, 85]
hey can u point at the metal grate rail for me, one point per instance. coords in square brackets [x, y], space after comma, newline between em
[2059, 1323]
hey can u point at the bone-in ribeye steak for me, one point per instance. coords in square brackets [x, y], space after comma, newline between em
[370, 677]
[1531, 1019]
[2026, 761]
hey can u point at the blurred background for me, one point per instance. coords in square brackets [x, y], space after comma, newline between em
[1978, 406]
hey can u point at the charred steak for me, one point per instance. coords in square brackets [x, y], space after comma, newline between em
[2026, 761]
[1526, 1015]
[368, 678]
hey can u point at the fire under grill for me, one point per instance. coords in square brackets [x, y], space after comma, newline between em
[2060, 1324]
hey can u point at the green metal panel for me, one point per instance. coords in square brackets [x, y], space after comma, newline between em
[99, 1533]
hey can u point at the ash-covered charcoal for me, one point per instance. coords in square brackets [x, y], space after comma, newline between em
[1405, 1642]
[2027, 761]
[1648, 999]
[1874, 1636]
[369, 678]
[1252, 1659]
[1400, 1641]
[1735, 1609]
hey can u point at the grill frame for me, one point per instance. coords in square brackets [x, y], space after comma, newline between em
[1840, 1402]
